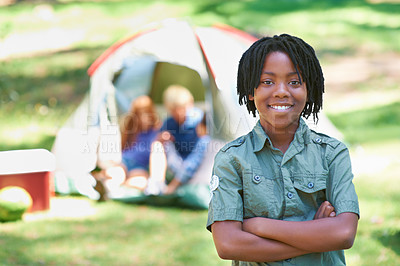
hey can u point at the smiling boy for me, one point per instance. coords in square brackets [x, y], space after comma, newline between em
[282, 194]
[280, 99]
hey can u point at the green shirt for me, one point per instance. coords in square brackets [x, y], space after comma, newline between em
[251, 178]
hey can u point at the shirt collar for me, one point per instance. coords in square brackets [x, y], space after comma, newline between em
[302, 136]
[260, 137]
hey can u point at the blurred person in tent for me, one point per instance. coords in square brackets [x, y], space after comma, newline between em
[139, 128]
[184, 140]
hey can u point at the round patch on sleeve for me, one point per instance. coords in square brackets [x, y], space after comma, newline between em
[214, 182]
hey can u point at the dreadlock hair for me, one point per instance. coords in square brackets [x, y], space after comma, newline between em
[304, 60]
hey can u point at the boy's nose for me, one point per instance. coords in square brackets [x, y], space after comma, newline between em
[281, 90]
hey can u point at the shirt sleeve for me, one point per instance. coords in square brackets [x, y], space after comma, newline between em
[226, 201]
[341, 192]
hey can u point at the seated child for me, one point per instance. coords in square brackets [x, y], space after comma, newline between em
[139, 128]
[184, 140]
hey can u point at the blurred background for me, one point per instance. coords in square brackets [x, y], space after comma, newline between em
[46, 48]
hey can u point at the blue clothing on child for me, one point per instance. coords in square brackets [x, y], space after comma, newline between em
[137, 156]
[185, 169]
[186, 145]
[185, 135]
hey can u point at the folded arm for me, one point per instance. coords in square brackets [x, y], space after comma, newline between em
[233, 243]
[264, 240]
[318, 235]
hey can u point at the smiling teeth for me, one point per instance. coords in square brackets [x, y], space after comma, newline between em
[277, 107]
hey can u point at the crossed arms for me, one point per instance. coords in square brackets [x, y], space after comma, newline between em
[261, 239]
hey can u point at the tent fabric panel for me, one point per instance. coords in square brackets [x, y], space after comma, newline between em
[112, 49]
[224, 49]
[174, 43]
[135, 79]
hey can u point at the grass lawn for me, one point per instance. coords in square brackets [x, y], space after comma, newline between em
[43, 80]
[377, 167]
[77, 231]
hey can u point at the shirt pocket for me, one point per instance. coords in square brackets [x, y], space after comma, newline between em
[311, 188]
[262, 195]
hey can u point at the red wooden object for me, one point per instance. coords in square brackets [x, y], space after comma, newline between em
[30, 170]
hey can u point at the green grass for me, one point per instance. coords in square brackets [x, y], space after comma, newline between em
[377, 241]
[38, 94]
[39, 91]
[368, 125]
[117, 234]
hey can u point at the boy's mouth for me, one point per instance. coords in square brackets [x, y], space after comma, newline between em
[280, 107]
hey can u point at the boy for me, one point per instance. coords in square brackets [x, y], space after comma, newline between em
[179, 136]
[282, 194]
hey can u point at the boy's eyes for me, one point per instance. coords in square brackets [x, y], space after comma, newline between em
[267, 82]
[293, 82]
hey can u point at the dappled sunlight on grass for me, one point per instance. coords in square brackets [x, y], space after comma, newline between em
[27, 137]
[356, 100]
[65, 208]
[374, 159]
[29, 131]
[55, 38]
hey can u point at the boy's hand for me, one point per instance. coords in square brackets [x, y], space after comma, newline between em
[165, 136]
[325, 210]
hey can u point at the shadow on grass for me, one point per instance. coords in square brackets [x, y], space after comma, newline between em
[60, 75]
[12, 250]
[281, 7]
[389, 239]
[255, 16]
[53, 82]
[71, 243]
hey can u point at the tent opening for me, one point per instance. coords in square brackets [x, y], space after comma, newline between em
[166, 74]
[129, 84]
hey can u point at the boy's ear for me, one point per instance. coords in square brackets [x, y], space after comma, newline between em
[251, 97]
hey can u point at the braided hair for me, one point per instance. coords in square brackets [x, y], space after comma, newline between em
[304, 60]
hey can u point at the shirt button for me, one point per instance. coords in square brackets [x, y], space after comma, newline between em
[290, 195]
[257, 178]
[310, 185]
[318, 140]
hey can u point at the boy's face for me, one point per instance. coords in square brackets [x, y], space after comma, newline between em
[279, 97]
